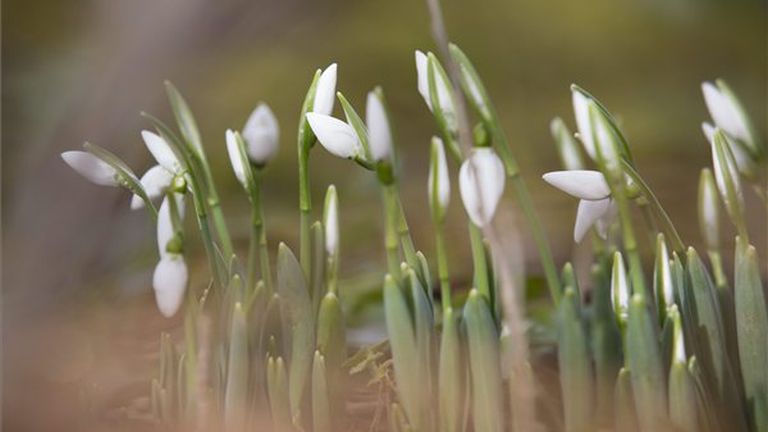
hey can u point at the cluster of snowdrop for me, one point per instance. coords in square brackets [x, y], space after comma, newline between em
[640, 361]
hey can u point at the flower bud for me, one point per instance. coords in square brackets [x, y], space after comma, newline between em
[331, 222]
[338, 137]
[325, 92]
[728, 114]
[169, 282]
[261, 134]
[237, 158]
[709, 212]
[439, 186]
[620, 290]
[481, 184]
[379, 132]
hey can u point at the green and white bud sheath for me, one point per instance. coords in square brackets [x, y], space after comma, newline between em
[434, 86]
[709, 223]
[596, 207]
[439, 188]
[331, 231]
[620, 290]
[567, 147]
[262, 135]
[662, 278]
[171, 276]
[729, 114]
[727, 181]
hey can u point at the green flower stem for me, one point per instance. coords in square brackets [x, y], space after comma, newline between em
[480, 263]
[392, 218]
[305, 207]
[404, 233]
[258, 244]
[218, 215]
[630, 242]
[716, 261]
[442, 266]
[662, 217]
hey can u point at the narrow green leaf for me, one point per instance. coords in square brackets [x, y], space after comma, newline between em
[625, 419]
[451, 376]
[425, 340]
[318, 265]
[575, 364]
[486, 392]
[277, 390]
[185, 119]
[126, 176]
[331, 343]
[321, 396]
[237, 372]
[357, 124]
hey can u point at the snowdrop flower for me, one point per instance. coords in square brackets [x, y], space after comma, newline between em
[444, 93]
[620, 290]
[595, 129]
[325, 92]
[595, 206]
[158, 178]
[338, 137]
[237, 159]
[481, 184]
[583, 122]
[728, 114]
[439, 186]
[91, 167]
[744, 161]
[709, 215]
[331, 222]
[379, 132]
[262, 135]
[171, 276]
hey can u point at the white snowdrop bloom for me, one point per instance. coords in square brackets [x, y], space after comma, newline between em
[439, 181]
[261, 134]
[744, 161]
[727, 113]
[170, 282]
[165, 228]
[595, 206]
[325, 92]
[481, 184]
[620, 290]
[379, 132]
[331, 222]
[444, 95]
[583, 122]
[338, 137]
[158, 178]
[239, 164]
[91, 167]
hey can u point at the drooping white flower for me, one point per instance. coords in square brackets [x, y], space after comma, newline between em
[379, 132]
[444, 95]
[620, 290]
[262, 134]
[481, 184]
[331, 222]
[727, 113]
[595, 206]
[170, 282]
[338, 137]
[744, 161]
[91, 167]
[158, 178]
[239, 164]
[325, 92]
[439, 181]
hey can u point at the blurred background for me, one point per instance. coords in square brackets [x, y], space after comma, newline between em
[79, 327]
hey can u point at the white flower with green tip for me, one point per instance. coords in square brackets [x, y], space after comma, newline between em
[239, 163]
[741, 156]
[331, 222]
[439, 180]
[171, 275]
[596, 206]
[91, 167]
[481, 184]
[422, 83]
[261, 134]
[336, 136]
[158, 178]
[727, 113]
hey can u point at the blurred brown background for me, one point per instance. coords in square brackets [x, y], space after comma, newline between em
[77, 263]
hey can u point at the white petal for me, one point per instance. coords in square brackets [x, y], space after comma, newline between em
[161, 151]
[91, 167]
[744, 161]
[605, 141]
[331, 222]
[678, 339]
[662, 275]
[582, 184]
[325, 92]
[588, 213]
[262, 134]
[155, 182]
[236, 158]
[708, 211]
[481, 184]
[725, 113]
[604, 223]
[165, 231]
[438, 175]
[422, 78]
[709, 131]
[338, 137]
[620, 290]
[583, 123]
[170, 281]
[379, 134]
